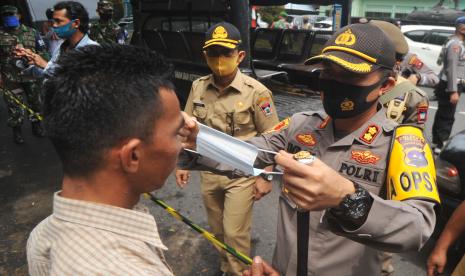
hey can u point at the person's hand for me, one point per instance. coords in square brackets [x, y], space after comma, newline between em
[182, 178]
[260, 268]
[32, 57]
[454, 98]
[413, 78]
[189, 132]
[436, 261]
[261, 188]
[315, 186]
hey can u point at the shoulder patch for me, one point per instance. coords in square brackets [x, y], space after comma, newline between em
[280, 126]
[265, 105]
[416, 62]
[422, 113]
[306, 139]
[368, 136]
[365, 157]
[324, 123]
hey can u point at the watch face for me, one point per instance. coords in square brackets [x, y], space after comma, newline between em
[358, 210]
[269, 177]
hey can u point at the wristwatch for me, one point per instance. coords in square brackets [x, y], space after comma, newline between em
[354, 207]
[266, 176]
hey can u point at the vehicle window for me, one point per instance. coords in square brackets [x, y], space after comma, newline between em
[265, 41]
[293, 43]
[318, 43]
[438, 37]
[417, 36]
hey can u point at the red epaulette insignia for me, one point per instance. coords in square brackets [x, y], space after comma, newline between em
[369, 134]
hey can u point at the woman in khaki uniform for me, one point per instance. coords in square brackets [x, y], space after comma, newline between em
[240, 106]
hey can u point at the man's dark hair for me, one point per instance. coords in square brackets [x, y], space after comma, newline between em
[75, 10]
[100, 96]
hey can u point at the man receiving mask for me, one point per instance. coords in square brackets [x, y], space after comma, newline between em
[240, 106]
[13, 79]
[360, 190]
[70, 23]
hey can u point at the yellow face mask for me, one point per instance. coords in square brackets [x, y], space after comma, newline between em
[222, 66]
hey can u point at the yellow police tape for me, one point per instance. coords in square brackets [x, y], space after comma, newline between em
[22, 105]
[411, 172]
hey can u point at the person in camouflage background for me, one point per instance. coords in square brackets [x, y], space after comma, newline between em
[14, 83]
[106, 30]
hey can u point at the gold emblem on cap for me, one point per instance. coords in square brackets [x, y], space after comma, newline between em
[347, 105]
[220, 32]
[346, 38]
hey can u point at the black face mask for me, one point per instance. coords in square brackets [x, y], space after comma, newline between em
[342, 100]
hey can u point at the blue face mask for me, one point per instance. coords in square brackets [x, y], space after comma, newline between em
[10, 21]
[65, 31]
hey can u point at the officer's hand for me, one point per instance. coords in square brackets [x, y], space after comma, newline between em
[260, 268]
[315, 186]
[454, 98]
[182, 178]
[189, 131]
[262, 187]
[436, 261]
[413, 79]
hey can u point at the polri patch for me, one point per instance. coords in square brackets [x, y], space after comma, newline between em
[365, 157]
[370, 134]
[306, 139]
[416, 62]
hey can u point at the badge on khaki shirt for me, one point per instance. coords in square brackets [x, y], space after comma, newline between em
[265, 105]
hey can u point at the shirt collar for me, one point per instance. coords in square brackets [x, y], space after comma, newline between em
[130, 223]
[380, 123]
[236, 84]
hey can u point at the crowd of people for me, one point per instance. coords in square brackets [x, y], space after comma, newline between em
[357, 178]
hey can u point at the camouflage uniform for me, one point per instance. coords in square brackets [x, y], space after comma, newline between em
[106, 30]
[14, 81]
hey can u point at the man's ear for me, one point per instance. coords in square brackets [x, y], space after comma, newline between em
[130, 154]
[387, 85]
[77, 23]
[241, 56]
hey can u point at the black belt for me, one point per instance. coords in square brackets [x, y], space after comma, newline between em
[303, 221]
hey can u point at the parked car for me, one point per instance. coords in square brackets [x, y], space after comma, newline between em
[325, 25]
[426, 41]
[450, 177]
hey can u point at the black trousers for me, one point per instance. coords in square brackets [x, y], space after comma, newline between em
[445, 115]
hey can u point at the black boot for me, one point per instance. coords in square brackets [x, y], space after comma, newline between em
[37, 129]
[18, 135]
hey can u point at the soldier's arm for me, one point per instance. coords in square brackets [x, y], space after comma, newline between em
[452, 57]
[265, 115]
[427, 76]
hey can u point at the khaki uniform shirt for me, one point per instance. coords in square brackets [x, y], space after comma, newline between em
[415, 65]
[454, 63]
[85, 238]
[391, 226]
[244, 109]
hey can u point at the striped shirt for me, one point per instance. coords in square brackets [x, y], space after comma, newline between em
[85, 238]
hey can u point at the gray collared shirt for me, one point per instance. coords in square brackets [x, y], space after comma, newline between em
[85, 238]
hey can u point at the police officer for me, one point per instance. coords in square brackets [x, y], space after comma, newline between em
[406, 103]
[13, 34]
[240, 106]
[450, 85]
[106, 30]
[359, 189]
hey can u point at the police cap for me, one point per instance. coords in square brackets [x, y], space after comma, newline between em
[8, 9]
[394, 33]
[223, 34]
[359, 48]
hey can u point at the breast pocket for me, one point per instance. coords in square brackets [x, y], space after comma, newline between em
[243, 123]
[200, 112]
